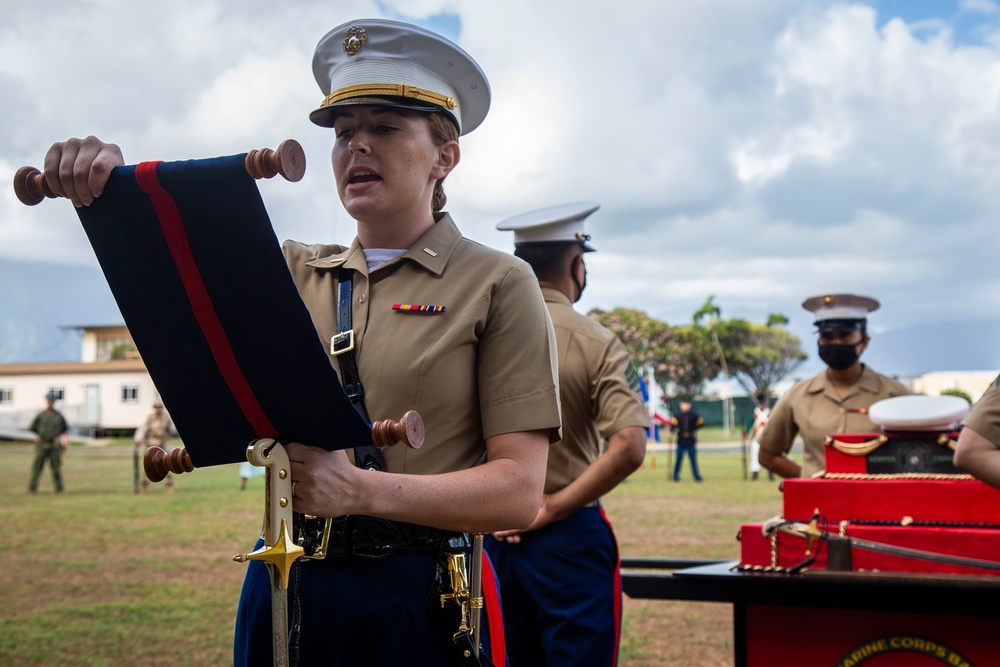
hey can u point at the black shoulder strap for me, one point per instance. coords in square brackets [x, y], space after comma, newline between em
[366, 456]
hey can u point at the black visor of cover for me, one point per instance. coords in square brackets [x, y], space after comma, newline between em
[200, 280]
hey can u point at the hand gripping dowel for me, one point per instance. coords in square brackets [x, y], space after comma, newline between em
[385, 433]
[289, 160]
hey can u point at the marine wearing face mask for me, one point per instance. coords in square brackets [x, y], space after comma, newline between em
[834, 401]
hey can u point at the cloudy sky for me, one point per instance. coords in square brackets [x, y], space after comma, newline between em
[760, 151]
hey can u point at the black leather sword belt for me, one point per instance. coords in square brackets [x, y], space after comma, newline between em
[359, 536]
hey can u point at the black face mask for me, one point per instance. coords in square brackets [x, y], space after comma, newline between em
[580, 286]
[838, 357]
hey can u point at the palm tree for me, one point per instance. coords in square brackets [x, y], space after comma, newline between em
[714, 314]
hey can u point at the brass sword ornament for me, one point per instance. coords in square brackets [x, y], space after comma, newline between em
[280, 551]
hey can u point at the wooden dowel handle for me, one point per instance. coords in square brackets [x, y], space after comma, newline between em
[409, 430]
[157, 463]
[289, 160]
[385, 433]
[31, 187]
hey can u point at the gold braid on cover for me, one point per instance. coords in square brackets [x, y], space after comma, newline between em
[856, 449]
[901, 475]
[945, 441]
[869, 446]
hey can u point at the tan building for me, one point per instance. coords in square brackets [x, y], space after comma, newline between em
[108, 390]
[973, 383]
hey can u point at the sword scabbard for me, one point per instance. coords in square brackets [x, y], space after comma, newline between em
[476, 590]
[279, 551]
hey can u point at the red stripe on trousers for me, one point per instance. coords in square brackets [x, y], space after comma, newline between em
[618, 589]
[172, 225]
[494, 615]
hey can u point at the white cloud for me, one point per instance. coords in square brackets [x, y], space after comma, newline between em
[980, 6]
[756, 150]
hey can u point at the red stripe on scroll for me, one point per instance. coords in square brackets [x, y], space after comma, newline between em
[201, 302]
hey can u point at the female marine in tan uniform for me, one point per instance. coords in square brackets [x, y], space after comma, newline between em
[836, 400]
[480, 369]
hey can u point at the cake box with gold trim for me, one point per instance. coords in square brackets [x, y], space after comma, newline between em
[891, 501]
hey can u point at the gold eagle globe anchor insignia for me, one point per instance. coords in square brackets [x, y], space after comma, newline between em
[356, 38]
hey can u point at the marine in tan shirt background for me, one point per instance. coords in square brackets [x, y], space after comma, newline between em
[834, 401]
[559, 578]
[978, 449]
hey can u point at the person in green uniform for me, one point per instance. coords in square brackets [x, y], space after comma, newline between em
[978, 449]
[48, 426]
[834, 401]
[559, 579]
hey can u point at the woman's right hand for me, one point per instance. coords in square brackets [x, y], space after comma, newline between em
[78, 169]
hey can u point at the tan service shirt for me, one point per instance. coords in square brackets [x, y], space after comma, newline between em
[984, 418]
[598, 389]
[484, 366]
[813, 409]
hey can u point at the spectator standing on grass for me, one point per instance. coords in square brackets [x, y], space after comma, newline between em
[49, 426]
[560, 580]
[685, 425]
[156, 431]
[248, 470]
[755, 426]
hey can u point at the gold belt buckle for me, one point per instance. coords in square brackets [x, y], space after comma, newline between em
[342, 342]
[321, 550]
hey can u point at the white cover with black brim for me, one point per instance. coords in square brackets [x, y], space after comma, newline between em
[919, 413]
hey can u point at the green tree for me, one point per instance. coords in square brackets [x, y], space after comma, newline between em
[957, 392]
[123, 351]
[710, 311]
[682, 359]
[776, 319]
[759, 355]
[692, 360]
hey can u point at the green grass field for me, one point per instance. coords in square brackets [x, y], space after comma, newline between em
[99, 576]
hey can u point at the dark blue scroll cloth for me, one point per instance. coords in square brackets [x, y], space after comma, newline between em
[198, 274]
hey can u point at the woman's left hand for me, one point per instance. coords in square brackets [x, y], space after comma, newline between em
[543, 518]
